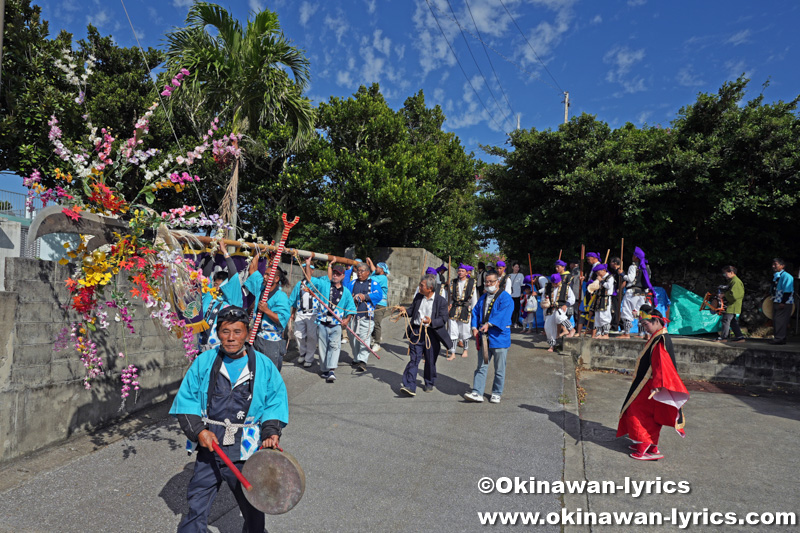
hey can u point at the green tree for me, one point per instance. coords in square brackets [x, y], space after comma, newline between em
[34, 89]
[717, 187]
[379, 177]
[240, 74]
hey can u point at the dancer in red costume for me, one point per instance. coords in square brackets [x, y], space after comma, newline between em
[657, 394]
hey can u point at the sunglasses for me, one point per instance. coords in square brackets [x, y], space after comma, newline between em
[234, 314]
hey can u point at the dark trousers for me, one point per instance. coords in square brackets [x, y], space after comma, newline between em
[209, 472]
[729, 321]
[515, 314]
[380, 312]
[615, 313]
[419, 349]
[780, 321]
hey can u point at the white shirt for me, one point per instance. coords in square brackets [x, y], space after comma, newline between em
[425, 309]
[515, 281]
[631, 276]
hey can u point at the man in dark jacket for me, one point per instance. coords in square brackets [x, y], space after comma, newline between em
[427, 330]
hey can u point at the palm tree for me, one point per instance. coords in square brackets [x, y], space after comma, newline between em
[242, 76]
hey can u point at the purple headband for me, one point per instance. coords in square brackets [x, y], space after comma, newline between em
[442, 268]
[469, 268]
[527, 279]
[599, 266]
[593, 254]
[501, 263]
[555, 279]
[430, 270]
[560, 263]
[462, 265]
[638, 252]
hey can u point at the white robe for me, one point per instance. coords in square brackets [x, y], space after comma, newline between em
[631, 303]
[462, 331]
[602, 318]
[552, 321]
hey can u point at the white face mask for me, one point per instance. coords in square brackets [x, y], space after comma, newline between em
[491, 289]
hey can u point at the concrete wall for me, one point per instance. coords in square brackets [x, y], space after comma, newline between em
[751, 363]
[407, 266]
[10, 241]
[42, 398]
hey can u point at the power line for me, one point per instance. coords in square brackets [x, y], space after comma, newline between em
[519, 67]
[485, 51]
[461, 67]
[491, 92]
[531, 46]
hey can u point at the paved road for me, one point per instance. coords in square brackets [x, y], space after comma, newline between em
[374, 460]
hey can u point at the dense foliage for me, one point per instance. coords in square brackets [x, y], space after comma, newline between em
[720, 186]
[379, 177]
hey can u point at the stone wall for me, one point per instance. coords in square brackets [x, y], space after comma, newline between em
[42, 397]
[751, 363]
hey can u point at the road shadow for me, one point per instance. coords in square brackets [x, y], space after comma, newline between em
[444, 383]
[590, 431]
[174, 495]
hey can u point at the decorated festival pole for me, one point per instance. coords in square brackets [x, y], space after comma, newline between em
[273, 269]
[270, 248]
[328, 309]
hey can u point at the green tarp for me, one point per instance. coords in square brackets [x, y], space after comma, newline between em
[686, 317]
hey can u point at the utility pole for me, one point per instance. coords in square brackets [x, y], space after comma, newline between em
[518, 115]
[566, 106]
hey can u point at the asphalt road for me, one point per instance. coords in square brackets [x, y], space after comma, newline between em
[374, 459]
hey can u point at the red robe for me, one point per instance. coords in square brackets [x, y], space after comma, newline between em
[641, 417]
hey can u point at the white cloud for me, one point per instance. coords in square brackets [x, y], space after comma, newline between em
[382, 44]
[344, 78]
[546, 35]
[739, 38]
[643, 116]
[257, 5]
[371, 6]
[182, 3]
[433, 49]
[307, 10]
[623, 59]
[99, 19]
[400, 51]
[338, 25]
[596, 20]
[688, 78]
[635, 3]
[737, 68]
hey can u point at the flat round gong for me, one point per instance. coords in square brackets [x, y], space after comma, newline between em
[277, 480]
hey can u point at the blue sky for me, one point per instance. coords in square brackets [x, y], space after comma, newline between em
[633, 61]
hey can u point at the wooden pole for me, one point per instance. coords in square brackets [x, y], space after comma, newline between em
[608, 252]
[621, 253]
[530, 269]
[269, 248]
[559, 254]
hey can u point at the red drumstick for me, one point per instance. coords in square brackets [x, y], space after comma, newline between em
[225, 459]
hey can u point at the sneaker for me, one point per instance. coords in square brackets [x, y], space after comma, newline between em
[307, 364]
[738, 339]
[331, 377]
[495, 398]
[646, 456]
[376, 347]
[361, 366]
[428, 388]
[473, 396]
[406, 390]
